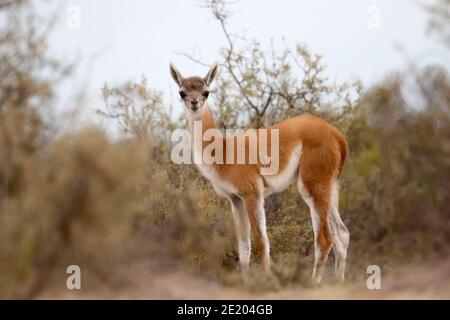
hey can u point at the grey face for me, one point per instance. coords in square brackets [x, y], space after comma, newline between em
[194, 91]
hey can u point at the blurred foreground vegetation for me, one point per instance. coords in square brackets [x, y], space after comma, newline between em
[77, 196]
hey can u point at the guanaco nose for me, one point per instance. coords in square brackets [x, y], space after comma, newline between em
[194, 104]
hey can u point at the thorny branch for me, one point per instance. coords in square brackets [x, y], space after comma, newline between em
[267, 83]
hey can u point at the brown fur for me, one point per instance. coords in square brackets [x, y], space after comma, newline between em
[194, 84]
[323, 156]
[324, 151]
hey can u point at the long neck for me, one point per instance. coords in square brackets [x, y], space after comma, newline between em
[204, 121]
[206, 118]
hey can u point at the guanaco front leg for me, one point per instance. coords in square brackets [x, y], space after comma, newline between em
[242, 226]
[255, 210]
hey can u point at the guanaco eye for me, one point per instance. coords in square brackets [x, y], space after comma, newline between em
[205, 94]
[182, 94]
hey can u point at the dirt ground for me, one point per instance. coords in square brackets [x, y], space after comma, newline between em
[424, 281]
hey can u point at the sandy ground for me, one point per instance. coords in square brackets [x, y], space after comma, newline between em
[426, 281]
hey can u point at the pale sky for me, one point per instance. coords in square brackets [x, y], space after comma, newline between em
[123, 40]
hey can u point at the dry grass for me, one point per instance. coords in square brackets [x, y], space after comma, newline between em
[108, 205]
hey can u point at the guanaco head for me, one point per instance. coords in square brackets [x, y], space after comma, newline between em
[194, 91]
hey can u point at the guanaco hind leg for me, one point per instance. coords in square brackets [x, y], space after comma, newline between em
[339, 233]
[329, 230]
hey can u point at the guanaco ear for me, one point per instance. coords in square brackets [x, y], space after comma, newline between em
[176, 75]
[212, 73]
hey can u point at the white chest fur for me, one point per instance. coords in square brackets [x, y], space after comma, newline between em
[222, 187]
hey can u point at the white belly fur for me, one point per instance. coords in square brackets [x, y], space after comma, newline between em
[274, 183]
[281, 181]
[222, 188]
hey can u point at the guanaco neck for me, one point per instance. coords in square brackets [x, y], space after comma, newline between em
[207, 122]
[207, 119]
